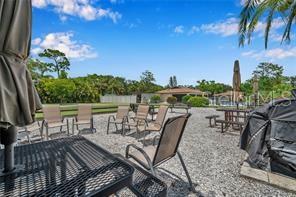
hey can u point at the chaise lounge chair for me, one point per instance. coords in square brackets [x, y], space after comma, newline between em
[53, 118]
[152, 156]
[120, 118]
[84, 117]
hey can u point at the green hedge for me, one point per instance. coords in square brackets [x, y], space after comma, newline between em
[186, 98]
[197, 101]
[67, 91]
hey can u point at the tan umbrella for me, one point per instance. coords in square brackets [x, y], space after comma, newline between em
[236, 82]
[255, 88]
[18, 97]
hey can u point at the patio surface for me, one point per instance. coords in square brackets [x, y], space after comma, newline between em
[213, 159]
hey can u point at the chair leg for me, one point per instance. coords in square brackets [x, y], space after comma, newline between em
[186, 171]
[108, 127]
[68, 127]
[73, 127]
[28, 137]
[116, 127]
[46, 127]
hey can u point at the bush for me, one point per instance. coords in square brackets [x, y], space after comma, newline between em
[67, 91]
[172, 100]
[155, 99]
[186, 98]
[198, 101]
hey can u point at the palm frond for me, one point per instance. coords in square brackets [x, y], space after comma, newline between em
[291, 17]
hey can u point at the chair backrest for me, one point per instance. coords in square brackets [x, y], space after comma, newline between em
[162, 111]
[122, 112]
[142, 112]
[52, 113]
[170, 138]
[84, 112]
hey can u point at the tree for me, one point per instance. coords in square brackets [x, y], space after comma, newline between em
[212, 87]
[38, 68]
[293, 81]
[147, 77]
[173, 82]
[254, 10]
[270, 75]
[60, 61]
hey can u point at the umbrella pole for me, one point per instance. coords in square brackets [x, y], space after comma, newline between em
[8, 138]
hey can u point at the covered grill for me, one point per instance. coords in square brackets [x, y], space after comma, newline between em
[270, 137]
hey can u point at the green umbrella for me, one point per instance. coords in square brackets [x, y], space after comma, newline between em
[18, 97]
[236, 82]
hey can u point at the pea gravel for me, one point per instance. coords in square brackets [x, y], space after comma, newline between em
[213, 159]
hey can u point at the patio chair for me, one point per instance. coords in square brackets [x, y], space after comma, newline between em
[140, 119]
[120, 118]
[156, 125]
[26, 132]
[152, 156]
[53, 118]
[84, 117]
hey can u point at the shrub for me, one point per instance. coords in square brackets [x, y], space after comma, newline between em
[198, 101]
[67, 91]
[155, 99]
[172, 100]
[186, 98]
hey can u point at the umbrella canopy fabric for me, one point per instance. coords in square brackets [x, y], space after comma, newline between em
[255, 84]
[18, 97]
[236, 81]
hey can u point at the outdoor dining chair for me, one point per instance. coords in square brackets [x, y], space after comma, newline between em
[84, 117]
[140, 119]
[53, 118]
[28, 130]
[156, 125]
[120, 118]
[167, 147]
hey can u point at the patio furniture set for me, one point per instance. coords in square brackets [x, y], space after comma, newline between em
[74, 166]
[233, 118]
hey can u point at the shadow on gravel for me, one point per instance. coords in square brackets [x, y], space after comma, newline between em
[176, 185]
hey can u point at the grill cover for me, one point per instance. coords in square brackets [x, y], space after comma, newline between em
[270, 137]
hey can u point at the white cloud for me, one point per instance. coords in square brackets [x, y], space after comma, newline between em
[179, 29]
[223, 28]
[276, 53]
[229, 27]
[80, 8]
[62, 41]
[194, 29]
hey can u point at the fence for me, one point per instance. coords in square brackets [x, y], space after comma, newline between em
[118, 99]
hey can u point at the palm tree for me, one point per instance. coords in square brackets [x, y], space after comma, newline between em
[253, 10]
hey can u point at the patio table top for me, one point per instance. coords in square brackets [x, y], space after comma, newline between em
[71, 166]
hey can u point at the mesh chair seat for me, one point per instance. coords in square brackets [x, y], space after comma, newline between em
[139, 157]
[116, 121]
[56, 124]
[80, 122]
[150, 127]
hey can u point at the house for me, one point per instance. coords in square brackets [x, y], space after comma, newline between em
[179, 92]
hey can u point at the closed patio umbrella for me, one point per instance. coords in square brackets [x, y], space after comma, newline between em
[236, 82]
[18, 97]
[255, 88]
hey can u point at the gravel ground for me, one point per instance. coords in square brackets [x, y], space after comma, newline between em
[213, 159]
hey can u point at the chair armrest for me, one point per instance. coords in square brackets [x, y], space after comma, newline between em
[111, 116]
[140, 150]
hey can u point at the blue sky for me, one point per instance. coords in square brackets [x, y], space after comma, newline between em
[193, 39]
